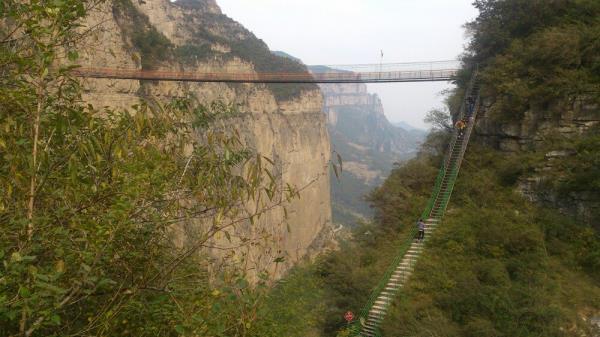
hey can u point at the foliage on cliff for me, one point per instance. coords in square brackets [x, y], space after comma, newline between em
[249, 48]
[94, 203]
[542, 58]
[583, 170]
[500, 266]
[536, 53]
[155, 49]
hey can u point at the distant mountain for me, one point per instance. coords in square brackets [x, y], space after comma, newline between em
[407, 127]
[368, 144]
[286, 55]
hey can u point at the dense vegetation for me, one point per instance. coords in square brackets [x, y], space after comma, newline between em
[94, 203]
[536, 54]
[541, 60]
[500, 266]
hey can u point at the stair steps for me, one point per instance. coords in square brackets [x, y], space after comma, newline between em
[377, 308]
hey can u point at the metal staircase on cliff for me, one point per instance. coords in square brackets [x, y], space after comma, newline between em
[369, 320]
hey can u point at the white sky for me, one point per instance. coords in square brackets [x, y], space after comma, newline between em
[354, 32]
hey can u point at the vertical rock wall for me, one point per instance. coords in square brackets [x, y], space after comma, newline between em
[543, 130]
[290, 131]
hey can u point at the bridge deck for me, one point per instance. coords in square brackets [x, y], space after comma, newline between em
[274, 77]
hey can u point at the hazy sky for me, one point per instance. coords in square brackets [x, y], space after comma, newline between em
[354, 31]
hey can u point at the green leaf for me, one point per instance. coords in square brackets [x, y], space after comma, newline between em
[73, 55]
[242, 283]
[15, 257]
[24, 292]
[42, 277]
[55, 319]
[50, 287]
[180, 329]
[29, 258]
[86, 267]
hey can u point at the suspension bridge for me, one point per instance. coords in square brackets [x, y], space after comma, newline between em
[369, 320]
[355, 73]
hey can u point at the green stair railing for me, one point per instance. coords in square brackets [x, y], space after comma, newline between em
[437, 202]
[404, 246]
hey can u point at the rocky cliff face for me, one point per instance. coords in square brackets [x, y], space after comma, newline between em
[377, 133]
[547, 133]
[284, 123]
[532, 131]
[368, 143]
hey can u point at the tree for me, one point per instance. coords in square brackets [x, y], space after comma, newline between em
[439, 119]
[94, 203]
[501, 21]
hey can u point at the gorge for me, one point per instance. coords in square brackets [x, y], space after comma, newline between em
[368, 144]
[170, 208]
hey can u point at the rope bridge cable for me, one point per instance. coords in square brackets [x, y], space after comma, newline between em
[359, 73]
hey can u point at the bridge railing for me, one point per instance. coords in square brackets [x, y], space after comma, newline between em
[270, 77]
